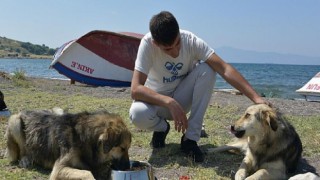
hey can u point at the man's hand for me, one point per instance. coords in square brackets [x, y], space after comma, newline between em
[260, 100]
[178, 115]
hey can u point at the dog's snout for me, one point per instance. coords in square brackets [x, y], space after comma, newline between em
[121, 164]
[232, 128]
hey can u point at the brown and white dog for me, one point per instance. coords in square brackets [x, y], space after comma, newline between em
[84, 145]
[271, 145]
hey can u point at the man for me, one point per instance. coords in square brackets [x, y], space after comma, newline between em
[175, 72]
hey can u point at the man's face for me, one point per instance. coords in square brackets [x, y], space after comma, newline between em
[172, 50]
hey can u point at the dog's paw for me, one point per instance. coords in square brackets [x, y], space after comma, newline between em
[86, 175]
[24, 162]
[4, 153]
[240, 175]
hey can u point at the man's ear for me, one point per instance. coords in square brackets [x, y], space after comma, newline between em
[155, 42]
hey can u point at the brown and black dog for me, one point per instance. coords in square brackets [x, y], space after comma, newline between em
[271, 145]
[84, 145]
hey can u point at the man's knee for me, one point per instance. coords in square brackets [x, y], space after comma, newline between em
[139, 114]
[208, 71]
[206, 75]
[136, 113]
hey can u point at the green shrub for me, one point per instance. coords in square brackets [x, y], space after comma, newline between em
[19, 78]
[19, 74]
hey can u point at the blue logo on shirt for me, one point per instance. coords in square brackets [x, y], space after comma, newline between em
[173, 68]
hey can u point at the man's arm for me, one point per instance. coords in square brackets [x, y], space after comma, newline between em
[233, 77]
[140, 92]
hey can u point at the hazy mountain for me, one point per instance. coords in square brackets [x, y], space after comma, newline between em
[234, 55]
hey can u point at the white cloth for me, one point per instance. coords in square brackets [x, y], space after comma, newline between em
[164, 72]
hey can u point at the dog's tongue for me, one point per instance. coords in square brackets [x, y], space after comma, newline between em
[238, 133]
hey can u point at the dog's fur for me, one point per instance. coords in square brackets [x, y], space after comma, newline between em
[2, 103]
[271, 145]
[76, 146]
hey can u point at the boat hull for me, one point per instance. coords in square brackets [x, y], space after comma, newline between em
[311, 90]
[99, 58]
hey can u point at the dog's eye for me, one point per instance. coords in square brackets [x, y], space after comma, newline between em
[123, 149]
[247, 115]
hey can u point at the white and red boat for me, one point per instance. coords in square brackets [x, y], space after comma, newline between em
[99, 58]
[311, 90]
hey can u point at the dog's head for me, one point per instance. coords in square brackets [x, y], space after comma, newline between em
[257, 119]
[114, 143]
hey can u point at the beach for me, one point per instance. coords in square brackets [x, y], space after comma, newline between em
[220, 99]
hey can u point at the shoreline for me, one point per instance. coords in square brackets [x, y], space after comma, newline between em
[277, 88]
[219, 97]
[218, 89]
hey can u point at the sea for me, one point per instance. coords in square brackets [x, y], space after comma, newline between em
[269, 80]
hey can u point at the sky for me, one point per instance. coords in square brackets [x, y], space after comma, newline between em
[281, 26]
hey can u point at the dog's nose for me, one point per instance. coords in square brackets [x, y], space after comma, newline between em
[121, 164]
[232, 128]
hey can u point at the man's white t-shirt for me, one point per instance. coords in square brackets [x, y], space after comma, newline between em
[164, 72]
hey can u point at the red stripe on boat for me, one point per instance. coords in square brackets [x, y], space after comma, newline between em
[119, 49]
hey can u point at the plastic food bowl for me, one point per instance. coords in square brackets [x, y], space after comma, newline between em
[139, 170]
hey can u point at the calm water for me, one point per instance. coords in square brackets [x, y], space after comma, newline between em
[32, 67]
[273, 80]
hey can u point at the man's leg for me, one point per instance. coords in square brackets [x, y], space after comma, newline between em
[194, 93]
[146, 116]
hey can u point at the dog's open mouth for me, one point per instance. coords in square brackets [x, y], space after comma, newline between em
[237, 133]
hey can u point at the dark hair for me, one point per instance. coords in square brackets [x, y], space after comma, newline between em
[164, 28]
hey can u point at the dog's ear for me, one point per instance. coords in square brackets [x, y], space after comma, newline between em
[271, 118]
[2, 103]
[108, 140]
[1, 96]
[103, 143]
